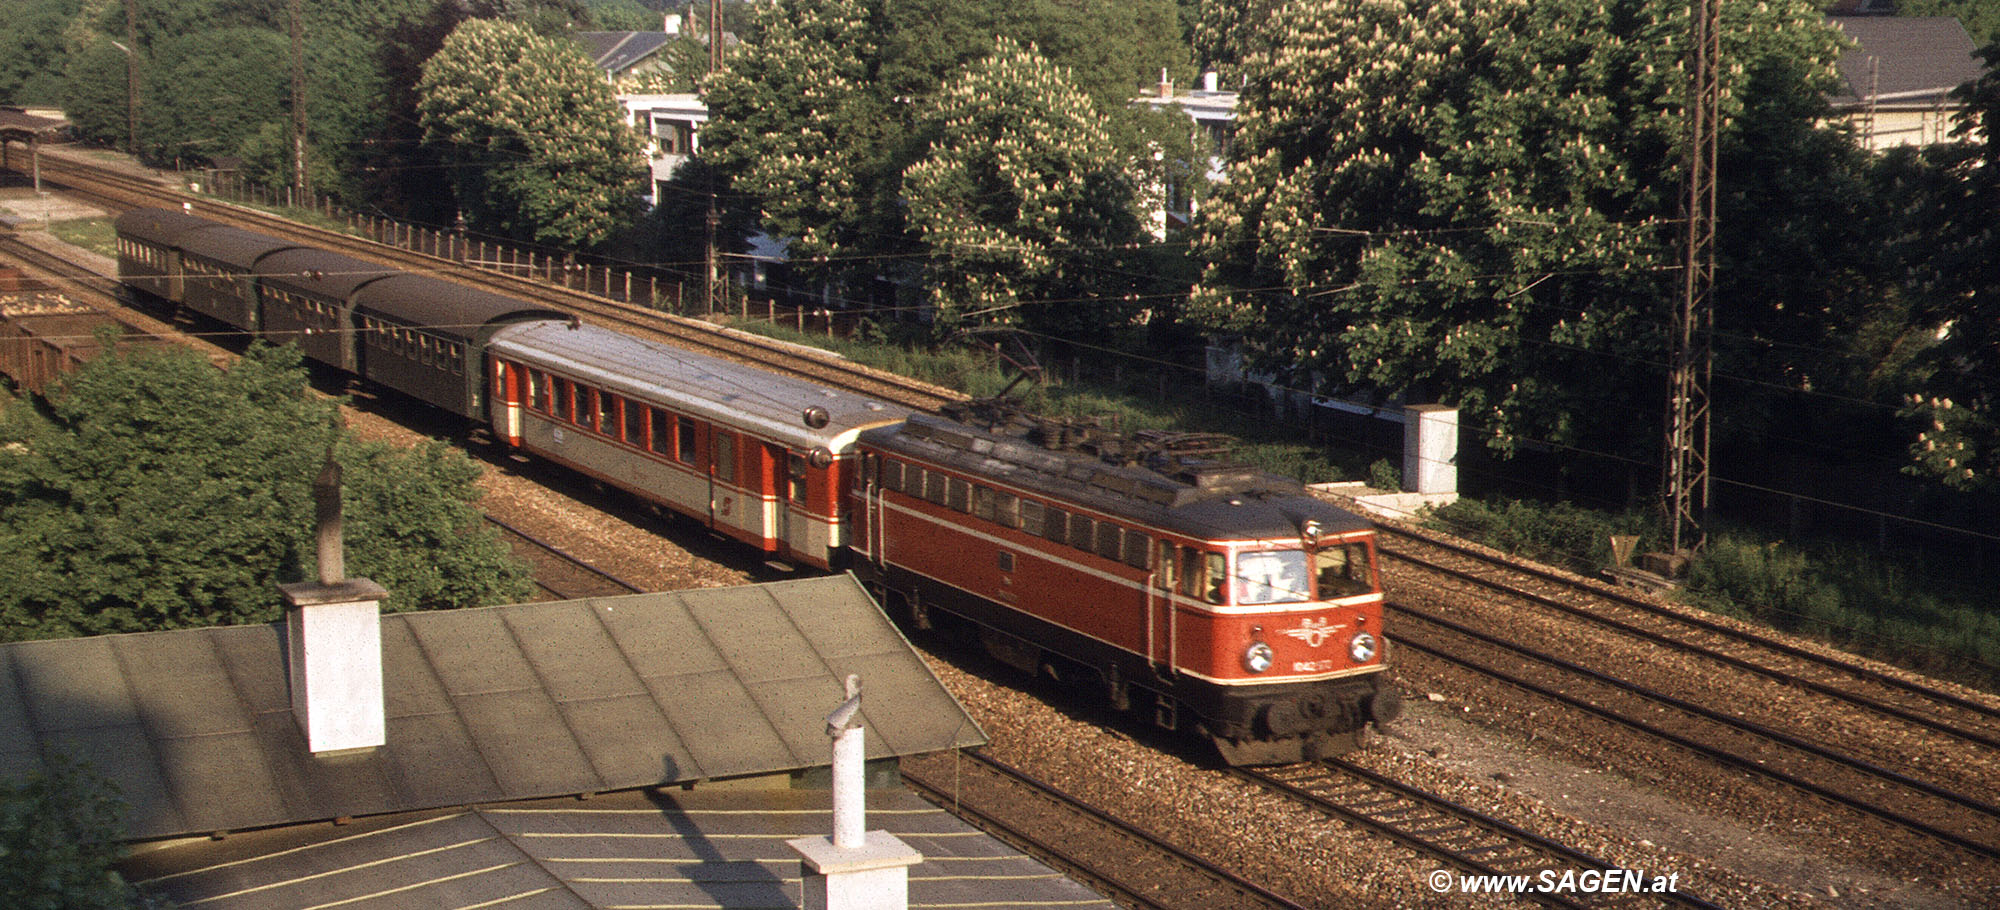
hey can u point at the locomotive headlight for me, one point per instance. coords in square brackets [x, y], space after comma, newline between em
[1361, 647]
[1259, 657]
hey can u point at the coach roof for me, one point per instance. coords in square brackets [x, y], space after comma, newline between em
[319, 272]
[442, 307]
[231, 246]
[163, 227]
[768, 404]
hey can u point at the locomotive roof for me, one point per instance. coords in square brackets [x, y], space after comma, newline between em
[1207, 500]
[161, 226]
[442, 307]
[319, 272]
[231, 246]
[768, 404]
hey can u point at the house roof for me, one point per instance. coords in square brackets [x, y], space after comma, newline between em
[650, 848]
[195, 727]
[616, 52]
[1904, 60]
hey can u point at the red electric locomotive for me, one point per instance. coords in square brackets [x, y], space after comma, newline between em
[1240, 604]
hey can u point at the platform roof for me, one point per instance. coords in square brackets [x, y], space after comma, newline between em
[483, 705]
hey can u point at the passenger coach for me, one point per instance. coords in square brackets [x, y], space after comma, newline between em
[756, 456]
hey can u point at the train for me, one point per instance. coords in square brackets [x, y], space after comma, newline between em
[1229, 602]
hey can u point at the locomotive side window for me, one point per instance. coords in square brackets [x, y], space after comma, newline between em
[1082, 533]
[1033, 517]
[892, 475]
[1138, 548]
[934, 484]
[661, 439]
[1110, 541]
[1343, 571]
[1055, 525]
[958, 494]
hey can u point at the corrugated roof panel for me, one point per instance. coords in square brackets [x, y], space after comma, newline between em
[762, 641]
[572, 653]
[527, 744]
[410, 686]
[472, 651]
[723, 727]
[657, 635]
[628, 738]
[222, 781]
[174, 673]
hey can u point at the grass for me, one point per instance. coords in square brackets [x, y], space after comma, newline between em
[94, 234]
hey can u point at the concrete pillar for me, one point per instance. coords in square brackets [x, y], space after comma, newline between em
[1430, 449]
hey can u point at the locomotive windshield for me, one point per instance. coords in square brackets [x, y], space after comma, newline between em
[1294, 576]
[1343, 570]
[1272, 577]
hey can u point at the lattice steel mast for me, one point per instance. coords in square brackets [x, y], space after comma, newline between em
[1684, 481]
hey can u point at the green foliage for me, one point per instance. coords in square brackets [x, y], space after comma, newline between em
[1981, 18]
[538, 146]
[1559, 533]
[160, 493]
[1952, 256]
[95, 94]
[1020, 198]
[205, 92]
[59, 841]
[1463, 200]
[831, 105]
[32, 50]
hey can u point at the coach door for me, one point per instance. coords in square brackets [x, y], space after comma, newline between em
[778, 482]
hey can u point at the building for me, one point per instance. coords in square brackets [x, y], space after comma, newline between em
[1214, 114]
[671, 125]
[1897, 78]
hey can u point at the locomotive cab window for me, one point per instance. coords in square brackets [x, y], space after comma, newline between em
[1343, 571]
[1271, 577]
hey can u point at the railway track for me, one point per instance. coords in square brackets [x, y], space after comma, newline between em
[120, 191]
[1837, 677]
[1121, 860]
[559, 573]
[1465, 838]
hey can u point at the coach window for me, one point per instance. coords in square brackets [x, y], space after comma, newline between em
[564, 390]
[607, 414]
[541, 391]
[795, 467]
[661, 439]
[684, 440]
[725, 456]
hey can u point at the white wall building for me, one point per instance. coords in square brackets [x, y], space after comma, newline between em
[671, 125]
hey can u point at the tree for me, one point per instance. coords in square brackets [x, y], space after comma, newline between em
[816, 116]
[1021, 198]
[1472, 201]
[1953, 253]
[536, 143]
[59, 836]
[160, 493]
[209, 92]
[32, 50]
